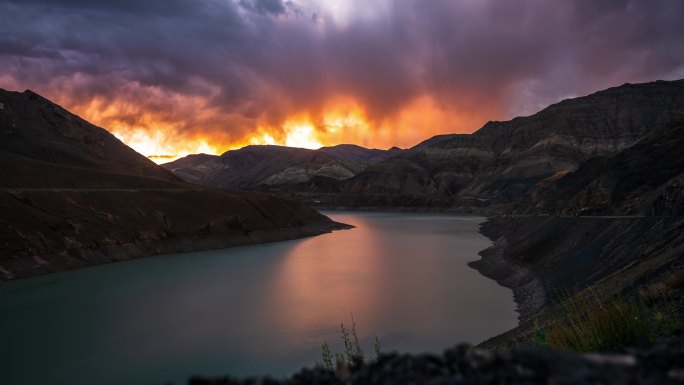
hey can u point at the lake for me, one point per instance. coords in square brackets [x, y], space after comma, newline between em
[255, 310]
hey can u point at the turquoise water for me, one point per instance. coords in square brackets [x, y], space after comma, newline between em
[255, 310]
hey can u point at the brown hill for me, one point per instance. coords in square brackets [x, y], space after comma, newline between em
[72, 195]
[276, 168]
[45, 146]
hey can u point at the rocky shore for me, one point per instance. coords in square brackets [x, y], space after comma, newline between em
[528, 289]
[543, 258]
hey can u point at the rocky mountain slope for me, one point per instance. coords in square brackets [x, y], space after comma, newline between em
[72, 195]
[615, 225]
[645, 179]
[496, 166]
[543, 258]
[42, 146]
[276, 167]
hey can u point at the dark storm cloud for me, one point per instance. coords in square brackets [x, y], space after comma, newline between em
[263, 59]
[141, 8]
[274, 7]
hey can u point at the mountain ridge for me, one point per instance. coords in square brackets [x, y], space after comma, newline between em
[491, 169]
[488, 171]
[49, 141]
[270, 167]
[72, 195]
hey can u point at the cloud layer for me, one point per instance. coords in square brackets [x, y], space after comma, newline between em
[378, 73]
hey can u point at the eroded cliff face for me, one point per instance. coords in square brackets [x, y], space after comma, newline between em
[72, 195]
[645, 179]
[544, 258]
[497, 165]
[616, 219]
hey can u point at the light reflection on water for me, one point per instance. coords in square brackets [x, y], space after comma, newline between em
[262, 309]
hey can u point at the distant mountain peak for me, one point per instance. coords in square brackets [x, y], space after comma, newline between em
[273, 166]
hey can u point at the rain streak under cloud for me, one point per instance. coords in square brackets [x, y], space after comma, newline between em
[174, 77]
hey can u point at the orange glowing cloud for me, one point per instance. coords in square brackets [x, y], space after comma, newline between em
[345, 121]
[185, 125]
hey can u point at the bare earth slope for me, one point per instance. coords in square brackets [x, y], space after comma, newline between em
[616, 222]
[647, 178]
[72, 195]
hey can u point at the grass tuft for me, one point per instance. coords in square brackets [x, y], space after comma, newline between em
[353, 351]
[377, 348]
[594, 324]
[652, 293]
[539, 337]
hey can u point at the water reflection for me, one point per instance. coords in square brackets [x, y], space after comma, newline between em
[322, 281]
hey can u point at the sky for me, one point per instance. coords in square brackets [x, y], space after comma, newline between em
[172, 77]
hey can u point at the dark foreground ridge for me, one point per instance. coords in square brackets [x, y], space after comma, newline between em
[662, 364]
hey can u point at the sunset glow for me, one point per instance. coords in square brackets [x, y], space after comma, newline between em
[157, 135]
[150, 144]
[181, 77]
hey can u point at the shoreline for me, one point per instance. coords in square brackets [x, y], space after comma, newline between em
[150, 248]
[528, 289]
[544, 259]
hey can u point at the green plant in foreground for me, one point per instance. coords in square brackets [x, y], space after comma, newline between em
[327, 356]
[377, 348]
[539, 337]
[353, 351]
[593, 324]
[348, 345]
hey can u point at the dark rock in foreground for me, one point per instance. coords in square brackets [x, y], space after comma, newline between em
[663, 364]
